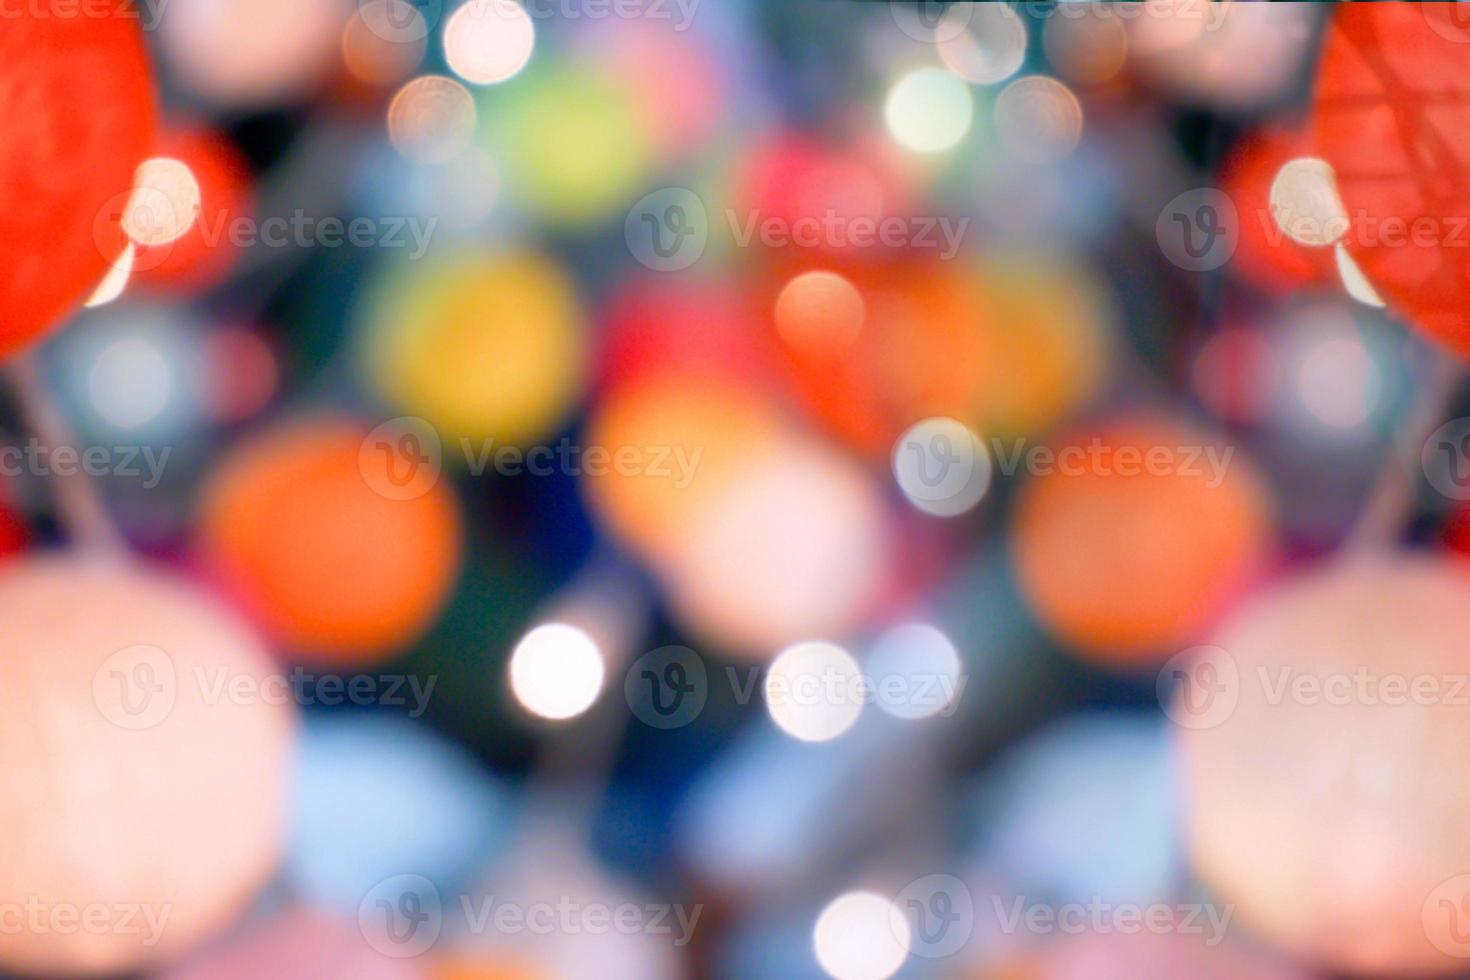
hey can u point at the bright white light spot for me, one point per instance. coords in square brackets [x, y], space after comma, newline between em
[941, 466]
[861, 936]
[1038, 119]
[1353, 279]
[814, 691]
[164, 204]
[130, 383]
[982, 43]
[116, 280]
[915, 671]
[929, 110]
[1339, 383]
[556, 671]
[432, 119]
[489, 41]
[1305, 204]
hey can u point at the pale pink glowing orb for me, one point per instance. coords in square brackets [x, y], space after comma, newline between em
[1328, 791]
[143, 769]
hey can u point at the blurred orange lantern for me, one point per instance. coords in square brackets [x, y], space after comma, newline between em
[1393, 120]
[1128, 538]
[204, 255]
[76, 94]
[1011, 343]
[141, 781]
[683, 442]
[344, 544]
[1327, 785]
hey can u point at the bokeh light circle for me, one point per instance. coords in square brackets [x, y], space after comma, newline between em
[556, 671]
[812, 691]
[855, 937]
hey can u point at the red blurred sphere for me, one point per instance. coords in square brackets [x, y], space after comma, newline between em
[76, 94]
[660, 325]
[1393, 119]
[796, 196]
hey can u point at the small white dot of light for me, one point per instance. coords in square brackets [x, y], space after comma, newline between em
[1339, 383]
[861, 936]
[929, 110]
[130, 383]
[1305, 204]
[919, 666]
[116, 281]
[164, 204]
[489, 41]
[989, 48]
[556, 671]
[812, 691]
[432, 119]
[1353, 279]
[1038, 119]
